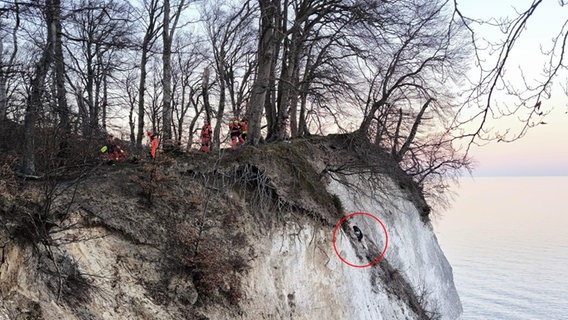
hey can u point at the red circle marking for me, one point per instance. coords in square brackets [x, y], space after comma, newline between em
[382, 253]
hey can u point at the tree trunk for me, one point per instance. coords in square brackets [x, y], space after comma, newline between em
[3, 80]
[382, 121]
[99, 103]
[36, 90]
[141, 93]
[3, 97]
[271, 113]
[192, 124]
[303, 93]
[222, 97]
[167, 36]
[302, 123]
[59, 63]
[146, 45]
[167, 74]
[413, 131]
[131, 125]
[6, 68]
[368, 119]
[82, 109]
[269, 103]
[260, 88]
[104, 102]
[89, 88]
[294, 115]
[287, 86]
[394, 149]
[205, 93]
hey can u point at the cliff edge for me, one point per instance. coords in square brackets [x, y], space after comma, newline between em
[253, 233]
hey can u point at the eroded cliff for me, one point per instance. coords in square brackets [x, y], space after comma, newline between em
[243, 234]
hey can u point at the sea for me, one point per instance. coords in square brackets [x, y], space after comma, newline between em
[507, 241]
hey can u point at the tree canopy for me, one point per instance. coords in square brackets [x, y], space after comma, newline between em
[395, 73]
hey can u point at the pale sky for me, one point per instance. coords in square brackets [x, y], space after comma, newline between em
[544, 150]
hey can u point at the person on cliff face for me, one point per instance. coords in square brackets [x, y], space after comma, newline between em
[358, 233]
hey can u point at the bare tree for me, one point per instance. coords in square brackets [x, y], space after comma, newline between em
[153, 11]
[228, 30]
[417, 58]
[153, 108]
[169, 26]
[266, 56]
[167, 73]
[326, 82]
[7, 65]
[98, 31]
[410, 61]
[34, 102]
[318, 64]
[192, 94]
[186, 84]
[205, 85]
[59, 67]
[307, 62]
[527, 95]
[131, 100]
[307, 16]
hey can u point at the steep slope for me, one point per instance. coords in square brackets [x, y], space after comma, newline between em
[239, 235]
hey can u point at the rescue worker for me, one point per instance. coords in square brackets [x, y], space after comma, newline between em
[206, 137]
[118, 153]
[153, 143]
[244, 129]
[235, 130]
[112, 151]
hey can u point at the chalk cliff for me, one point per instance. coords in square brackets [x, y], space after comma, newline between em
[246, 234]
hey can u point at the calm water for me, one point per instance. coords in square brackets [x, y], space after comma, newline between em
[507, 241]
